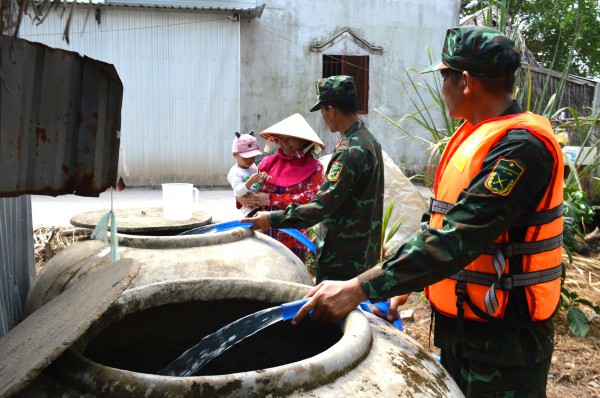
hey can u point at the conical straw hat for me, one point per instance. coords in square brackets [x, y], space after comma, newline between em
[293, 126]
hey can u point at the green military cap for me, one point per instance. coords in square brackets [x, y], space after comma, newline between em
[475, 49]
[333, 88]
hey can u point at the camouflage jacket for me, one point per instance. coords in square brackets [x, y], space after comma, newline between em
[349, 207]
[475, 221]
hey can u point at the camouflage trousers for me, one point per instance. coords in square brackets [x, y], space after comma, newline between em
[483, 380]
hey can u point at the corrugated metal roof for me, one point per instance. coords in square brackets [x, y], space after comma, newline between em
[199, 4]
[231, 4]
[245, 8]
[60, 121]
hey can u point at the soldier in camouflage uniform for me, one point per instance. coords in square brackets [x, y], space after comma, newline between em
[349, 205]
[496, 356]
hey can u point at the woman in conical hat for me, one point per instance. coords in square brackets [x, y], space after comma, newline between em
[295, 174]
[293, 126]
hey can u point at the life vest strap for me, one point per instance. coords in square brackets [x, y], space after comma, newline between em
[512, 249]
[525, 220]
[514, 323]
[539, 218]
[509, 281]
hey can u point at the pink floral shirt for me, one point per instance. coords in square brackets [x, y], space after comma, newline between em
[302, 192]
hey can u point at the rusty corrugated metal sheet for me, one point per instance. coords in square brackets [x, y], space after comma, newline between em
[60, 120]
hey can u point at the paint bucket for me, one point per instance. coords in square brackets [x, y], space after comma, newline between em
[177, 201]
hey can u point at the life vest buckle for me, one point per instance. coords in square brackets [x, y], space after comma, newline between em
[461, 288]
[461, 294]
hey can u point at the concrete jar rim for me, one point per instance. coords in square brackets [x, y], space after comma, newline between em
[320, 369]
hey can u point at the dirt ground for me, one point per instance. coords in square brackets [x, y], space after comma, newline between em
[575, 370]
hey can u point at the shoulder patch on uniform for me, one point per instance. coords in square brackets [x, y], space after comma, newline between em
[335, 171]
[504, 177]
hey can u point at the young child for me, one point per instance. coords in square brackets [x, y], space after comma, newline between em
[244, 176]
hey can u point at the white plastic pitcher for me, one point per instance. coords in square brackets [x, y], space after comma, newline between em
[177, 201]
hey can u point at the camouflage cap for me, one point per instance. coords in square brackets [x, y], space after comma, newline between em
[333, 88]
[475, 49]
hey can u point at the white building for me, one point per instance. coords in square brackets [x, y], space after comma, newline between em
[194, 72]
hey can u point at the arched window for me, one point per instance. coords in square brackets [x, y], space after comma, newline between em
[348, 54]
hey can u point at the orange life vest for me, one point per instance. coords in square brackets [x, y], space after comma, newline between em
[541, 250]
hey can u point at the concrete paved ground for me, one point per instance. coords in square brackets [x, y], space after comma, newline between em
[57, 211]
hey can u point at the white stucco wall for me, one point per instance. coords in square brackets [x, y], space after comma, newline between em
[279, 70]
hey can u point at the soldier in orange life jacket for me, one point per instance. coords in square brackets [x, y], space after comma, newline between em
[489, 256]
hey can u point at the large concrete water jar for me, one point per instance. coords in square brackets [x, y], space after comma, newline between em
[237, 252]
[151, 325]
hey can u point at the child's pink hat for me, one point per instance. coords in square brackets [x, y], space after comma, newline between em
[246, 145]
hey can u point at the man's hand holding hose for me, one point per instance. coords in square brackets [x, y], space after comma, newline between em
[260, 221]
[333, 300]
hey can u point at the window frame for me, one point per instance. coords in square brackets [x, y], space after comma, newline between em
[337, 64]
